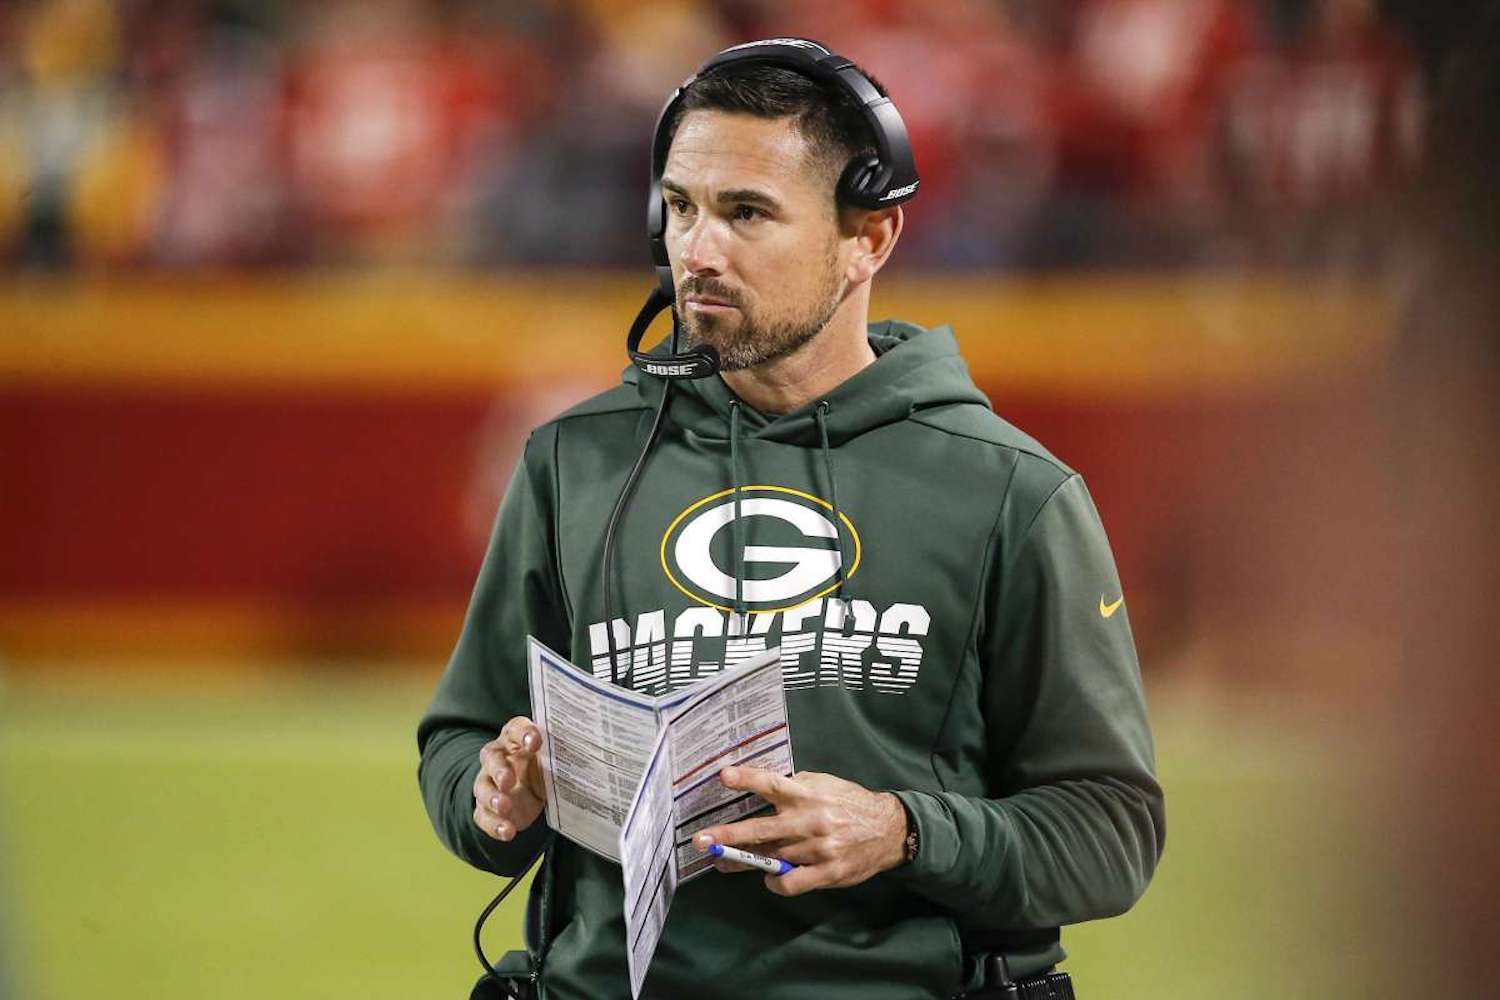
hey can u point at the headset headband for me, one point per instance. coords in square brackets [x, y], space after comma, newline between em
[887, 178]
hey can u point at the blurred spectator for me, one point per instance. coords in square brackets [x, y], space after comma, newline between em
[79, 176]
[385, 117]
[224, 119]
[574, 193]
[1134, 108]
[1321, 130]
[1049, 133]
[1004, 157]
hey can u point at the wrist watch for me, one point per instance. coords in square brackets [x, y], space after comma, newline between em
[913, 842]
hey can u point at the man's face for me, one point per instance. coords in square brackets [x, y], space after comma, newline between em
[753, 235]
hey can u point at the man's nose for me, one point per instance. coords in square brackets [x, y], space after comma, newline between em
[702, 247]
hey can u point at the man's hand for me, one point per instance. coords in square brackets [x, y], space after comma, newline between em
[509, 794]
[839, 833]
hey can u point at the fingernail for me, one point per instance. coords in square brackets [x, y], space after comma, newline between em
[495, 804]
[730, 774]
[704, 841]
[528, 741]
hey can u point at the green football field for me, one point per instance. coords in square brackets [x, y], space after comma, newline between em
[264, 839]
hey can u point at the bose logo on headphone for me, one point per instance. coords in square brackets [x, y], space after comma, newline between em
[900, 191]
[655, 369]
[801, 43]
[808, 553]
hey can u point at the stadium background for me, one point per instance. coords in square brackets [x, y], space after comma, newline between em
[285, 284]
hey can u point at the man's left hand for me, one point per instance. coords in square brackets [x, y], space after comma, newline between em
[838, 833]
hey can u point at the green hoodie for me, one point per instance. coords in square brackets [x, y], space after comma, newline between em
[948, 613]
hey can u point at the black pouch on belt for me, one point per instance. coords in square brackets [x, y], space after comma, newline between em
[998, 984]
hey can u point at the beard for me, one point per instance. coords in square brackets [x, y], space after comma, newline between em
[759, 336]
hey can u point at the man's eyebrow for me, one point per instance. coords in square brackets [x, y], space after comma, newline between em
[736, 196]
[748, 196]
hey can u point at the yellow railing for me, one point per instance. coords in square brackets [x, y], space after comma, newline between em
[411, 331]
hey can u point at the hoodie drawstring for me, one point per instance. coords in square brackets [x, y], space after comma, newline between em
[833, 496]
[737, 541]
[739, 624]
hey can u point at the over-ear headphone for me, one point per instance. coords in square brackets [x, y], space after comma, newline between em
[887, 178]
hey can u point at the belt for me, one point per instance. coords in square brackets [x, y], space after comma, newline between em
[517, 985]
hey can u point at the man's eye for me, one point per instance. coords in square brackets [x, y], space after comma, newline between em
[744, 213]
[680, 206]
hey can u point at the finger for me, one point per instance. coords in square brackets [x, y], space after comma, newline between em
[500, 772]
[521, 736]
[498, 780]
[802, 880]
[495, 826]
[502, 816]
[494, 761]
[520, 744]
[749, 832]
[505, 771]
[768, 785]
[517, 803]
[786, 850]
[486, 793]
[730, 867]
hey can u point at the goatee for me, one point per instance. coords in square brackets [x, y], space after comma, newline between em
[753, 341]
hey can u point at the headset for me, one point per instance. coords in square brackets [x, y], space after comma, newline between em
[886, 178]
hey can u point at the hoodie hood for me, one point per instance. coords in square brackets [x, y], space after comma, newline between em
[914, 369]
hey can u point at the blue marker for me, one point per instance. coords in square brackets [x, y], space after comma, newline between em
[775, 866]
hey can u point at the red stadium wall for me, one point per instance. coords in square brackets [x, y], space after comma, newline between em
[309, 470]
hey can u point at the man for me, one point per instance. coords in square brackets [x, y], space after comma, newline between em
[962, 687]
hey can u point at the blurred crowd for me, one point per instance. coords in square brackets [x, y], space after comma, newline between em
[246, 134]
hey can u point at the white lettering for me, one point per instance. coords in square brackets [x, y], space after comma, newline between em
[795, 643]
[645, 650]
[693, 622]
[898, 192]
[897, 677]
[741, 647]
[843, 654]
[656, 369]
[824, 643]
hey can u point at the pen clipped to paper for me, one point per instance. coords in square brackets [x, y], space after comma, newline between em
[775, 866]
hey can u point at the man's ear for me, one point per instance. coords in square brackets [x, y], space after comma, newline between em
[875, 234]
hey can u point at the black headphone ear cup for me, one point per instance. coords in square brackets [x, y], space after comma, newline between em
[860, 181]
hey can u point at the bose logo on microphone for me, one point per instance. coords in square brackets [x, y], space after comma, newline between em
[898, 192]
[670, 369]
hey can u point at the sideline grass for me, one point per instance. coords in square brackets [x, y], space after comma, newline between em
[268, 841]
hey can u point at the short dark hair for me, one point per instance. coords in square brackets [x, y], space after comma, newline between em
[827, 118]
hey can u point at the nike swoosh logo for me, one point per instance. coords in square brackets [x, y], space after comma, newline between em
[1106, 610]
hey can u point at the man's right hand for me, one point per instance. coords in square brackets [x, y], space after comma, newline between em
[509, 794]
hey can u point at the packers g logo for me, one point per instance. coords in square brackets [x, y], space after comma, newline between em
[795, 561]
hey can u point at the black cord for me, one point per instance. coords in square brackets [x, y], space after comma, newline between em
[609, 631]
[485, 913]
[614, 521]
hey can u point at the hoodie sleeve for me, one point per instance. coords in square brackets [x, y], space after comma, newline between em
[1075, 823]
[485, 684]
